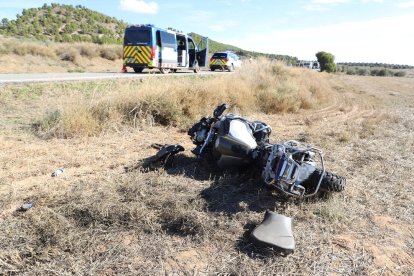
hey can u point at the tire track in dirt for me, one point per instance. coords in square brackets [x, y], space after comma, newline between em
[384, 230]
[348, 104]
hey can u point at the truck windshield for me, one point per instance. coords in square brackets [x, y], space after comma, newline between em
[137, 37]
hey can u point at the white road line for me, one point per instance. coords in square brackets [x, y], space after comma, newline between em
[51, 77]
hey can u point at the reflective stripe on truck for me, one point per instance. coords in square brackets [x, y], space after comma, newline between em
[137, 54]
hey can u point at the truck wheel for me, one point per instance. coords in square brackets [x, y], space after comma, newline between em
[213, 69]
[138, 70]
[231, 68]
[165, 70]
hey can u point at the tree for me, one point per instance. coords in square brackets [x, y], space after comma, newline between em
[4, 22]
[326, 61]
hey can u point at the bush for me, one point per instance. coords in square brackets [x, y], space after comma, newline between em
[400, 74]
[362, 71]
[382, 72]
[111, 52]
[350, 71]
[70, 54]
[22, 49]
[327, 61]
[374, 72]
[88, 50]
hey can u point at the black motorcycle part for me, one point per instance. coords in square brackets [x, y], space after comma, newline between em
[196, 150]
[196, 127]
[164, 157]
[220, 110]
[330, 182]
[275, 231]
[204, 123]
[261, 132]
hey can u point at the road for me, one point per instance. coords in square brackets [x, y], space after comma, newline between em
[50, 77]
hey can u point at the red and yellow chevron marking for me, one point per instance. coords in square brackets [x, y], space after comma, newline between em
[217, 62]
[168, 65]
[137, 54]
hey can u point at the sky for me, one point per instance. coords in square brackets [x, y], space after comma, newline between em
[352, 30]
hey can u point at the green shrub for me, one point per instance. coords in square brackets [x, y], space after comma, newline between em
[382, 72]
[362, 71]
[327, 61]
[400, 74]
[350, 71]
[49, 121]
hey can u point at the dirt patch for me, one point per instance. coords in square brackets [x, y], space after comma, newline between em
[390, 223]
[190, 261]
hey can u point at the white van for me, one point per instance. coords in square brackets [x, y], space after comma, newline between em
[146, 46]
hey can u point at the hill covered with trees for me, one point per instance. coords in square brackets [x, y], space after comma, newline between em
[65, 23]
[215, 46]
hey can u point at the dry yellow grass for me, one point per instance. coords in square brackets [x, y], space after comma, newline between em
[260, 87]
[193, 219]
[23, 56]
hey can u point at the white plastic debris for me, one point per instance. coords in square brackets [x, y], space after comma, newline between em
[25, 207]
[57, 172]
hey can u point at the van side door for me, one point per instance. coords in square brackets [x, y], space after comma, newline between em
[202, 52]
[168, 52]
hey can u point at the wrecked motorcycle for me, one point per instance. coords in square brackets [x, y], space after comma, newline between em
[292, 168]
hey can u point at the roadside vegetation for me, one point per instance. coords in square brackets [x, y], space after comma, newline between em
[371, 71]
[25, 55]
[376, 65]
[59, 51]
[262, 87]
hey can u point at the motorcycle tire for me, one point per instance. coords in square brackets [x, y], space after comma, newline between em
[331, 182]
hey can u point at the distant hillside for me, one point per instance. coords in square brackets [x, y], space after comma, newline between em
[215, 46]
[65, 23]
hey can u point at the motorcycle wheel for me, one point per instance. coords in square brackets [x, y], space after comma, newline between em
[332, 182]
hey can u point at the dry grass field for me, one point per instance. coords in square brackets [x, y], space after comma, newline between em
[25, 56]
[194, 219]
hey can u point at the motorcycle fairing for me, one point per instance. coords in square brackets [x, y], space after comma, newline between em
[234, 143]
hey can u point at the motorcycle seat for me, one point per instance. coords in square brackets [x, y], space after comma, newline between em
[275, 231]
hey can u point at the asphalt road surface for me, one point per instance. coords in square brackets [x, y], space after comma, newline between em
[50, 77]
